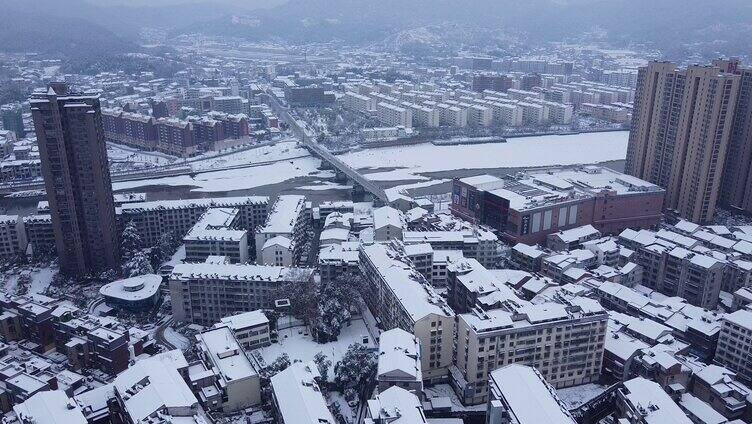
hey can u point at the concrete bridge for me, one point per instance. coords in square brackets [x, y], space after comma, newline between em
[361, 184]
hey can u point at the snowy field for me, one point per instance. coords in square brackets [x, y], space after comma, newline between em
[319, 185]
[238, 179]
[125, 158]
[298, 345]
[276, 152]
[516, 153]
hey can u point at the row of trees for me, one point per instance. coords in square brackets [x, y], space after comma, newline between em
[325, 307]
[353, 374]
[140, 260]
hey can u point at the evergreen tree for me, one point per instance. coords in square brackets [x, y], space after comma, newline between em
[356, 370]
[130, 241]
[138, 265]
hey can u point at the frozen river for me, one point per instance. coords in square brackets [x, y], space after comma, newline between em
[408, 162]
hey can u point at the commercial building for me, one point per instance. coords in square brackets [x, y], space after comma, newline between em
[217, 233]
[135, 294]
[670, 144]
[207, 292]
[74, 162]
[527, 207]
[519, 394]
[400, 297]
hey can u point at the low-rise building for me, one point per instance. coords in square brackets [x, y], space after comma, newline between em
[297, 397]
[234, 382]
[519, 394]
[642, 401]
[136, 294]
[399, 361]
[251, 329]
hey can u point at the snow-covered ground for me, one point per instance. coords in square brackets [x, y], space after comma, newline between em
[41, 277]
[516, 152]
[176, 339]
[577, 395]
[125, 158]
[238, 179]
[278, 151]
[299, 345]
[445, 390]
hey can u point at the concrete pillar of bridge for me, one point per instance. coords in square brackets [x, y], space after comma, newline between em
[358, 193]
[340, 176]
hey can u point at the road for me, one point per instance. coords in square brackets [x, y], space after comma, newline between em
[159, 334]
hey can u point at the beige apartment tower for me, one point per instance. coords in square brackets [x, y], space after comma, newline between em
[681, 130]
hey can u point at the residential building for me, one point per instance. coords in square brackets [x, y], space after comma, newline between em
[396, 405]
[642, 401]
[565, 342]
[400, 297]
[217, 233]
[74, 162]
[153, 219]
[399, 362]
[735, 344]
[234, 383]
[13, 239]
[251, 329]
[296, 395]
[669, 144]
[281, 238]
[519, 394]
[204, 293]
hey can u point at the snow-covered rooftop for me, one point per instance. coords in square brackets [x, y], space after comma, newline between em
[132, 289]
[399, 355]
[298, 395]
[530, 400]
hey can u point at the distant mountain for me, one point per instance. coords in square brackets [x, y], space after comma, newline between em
[663, 22]
[23, 31]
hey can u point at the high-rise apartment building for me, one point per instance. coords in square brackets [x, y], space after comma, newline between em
[77, 178]
[736, 187]
[681, 127]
